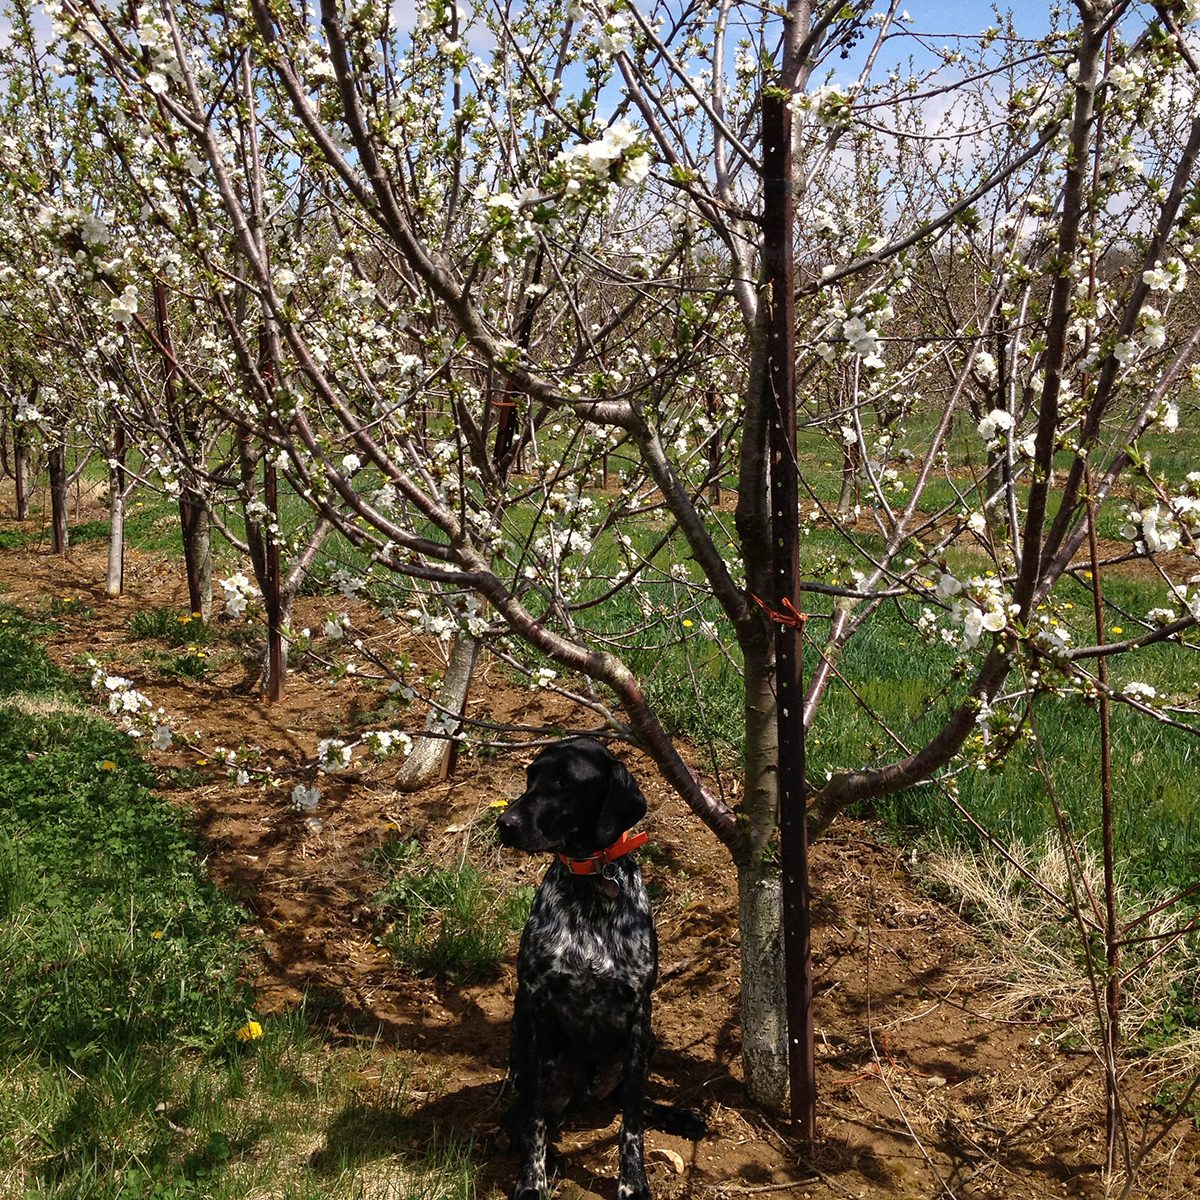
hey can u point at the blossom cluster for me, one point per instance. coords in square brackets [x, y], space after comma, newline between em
[828, 104]
[238, 592]
[618, 156]
[135, 712]
[1159, 527]
[858, 327]
[462, 616]
[977, 605]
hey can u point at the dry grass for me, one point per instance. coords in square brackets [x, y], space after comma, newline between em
[39, 706]
[1040, 967]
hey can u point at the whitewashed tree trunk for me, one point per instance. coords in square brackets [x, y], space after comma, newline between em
[764, 1001]
[760, 906]
[430, 758]
[114, 577]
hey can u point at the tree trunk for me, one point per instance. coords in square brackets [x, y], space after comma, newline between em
[197, 552]
[288, 592]
[764, 1004]
[429, 761]
[58, 497]
[760, 904]
[714, 446]
[851, 480]
[114, 578]
[273, 589]
[277, 653]
[203, 544]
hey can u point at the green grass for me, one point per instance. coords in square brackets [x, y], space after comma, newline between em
[173, 627]
[450, 922]
[122, 1072]
[912, 687]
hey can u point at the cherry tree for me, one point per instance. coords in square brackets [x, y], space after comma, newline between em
[465, 272]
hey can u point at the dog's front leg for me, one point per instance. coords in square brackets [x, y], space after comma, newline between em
[527, 1118]
[632, 1184]
[532, 1182]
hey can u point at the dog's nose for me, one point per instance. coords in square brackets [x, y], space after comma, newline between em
[507, 824]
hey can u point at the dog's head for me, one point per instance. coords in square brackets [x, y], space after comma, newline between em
[578, 800]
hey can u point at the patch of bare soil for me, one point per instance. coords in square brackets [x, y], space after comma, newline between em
[921, 1093]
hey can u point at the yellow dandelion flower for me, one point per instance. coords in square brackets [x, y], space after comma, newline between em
[498, 804]
[157, 935]
[250, 1032]
[687, 624]
[108, 765]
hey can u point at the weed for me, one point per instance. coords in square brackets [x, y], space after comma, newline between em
[89, 531]
[1042, 969]
[180, 778]
[70, 606]
[447, 921]
[24, 666]
[193, 663]
[173, 627]
[16, 878]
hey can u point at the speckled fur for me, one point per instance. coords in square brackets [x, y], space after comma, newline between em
[585, 970]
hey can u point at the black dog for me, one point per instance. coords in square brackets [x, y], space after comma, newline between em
[587, 964]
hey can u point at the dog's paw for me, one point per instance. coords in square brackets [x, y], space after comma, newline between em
[690, 1125]
[633, 1191]
[682, 1122]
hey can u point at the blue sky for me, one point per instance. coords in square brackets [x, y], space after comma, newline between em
[970, 16]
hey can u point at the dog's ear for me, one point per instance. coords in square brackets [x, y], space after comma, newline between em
[624, 805]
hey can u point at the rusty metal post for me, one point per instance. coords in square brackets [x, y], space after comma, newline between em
[778, 228]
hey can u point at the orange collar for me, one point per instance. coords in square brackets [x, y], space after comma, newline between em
[595, 863]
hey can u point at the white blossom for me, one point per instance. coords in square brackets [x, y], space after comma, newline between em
[305, 799]
[998, 421]
[333, 754]
[1139, 690]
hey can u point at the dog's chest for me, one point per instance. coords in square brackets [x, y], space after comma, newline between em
[577, 932]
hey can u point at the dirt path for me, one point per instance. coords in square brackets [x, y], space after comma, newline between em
[922, 1094]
